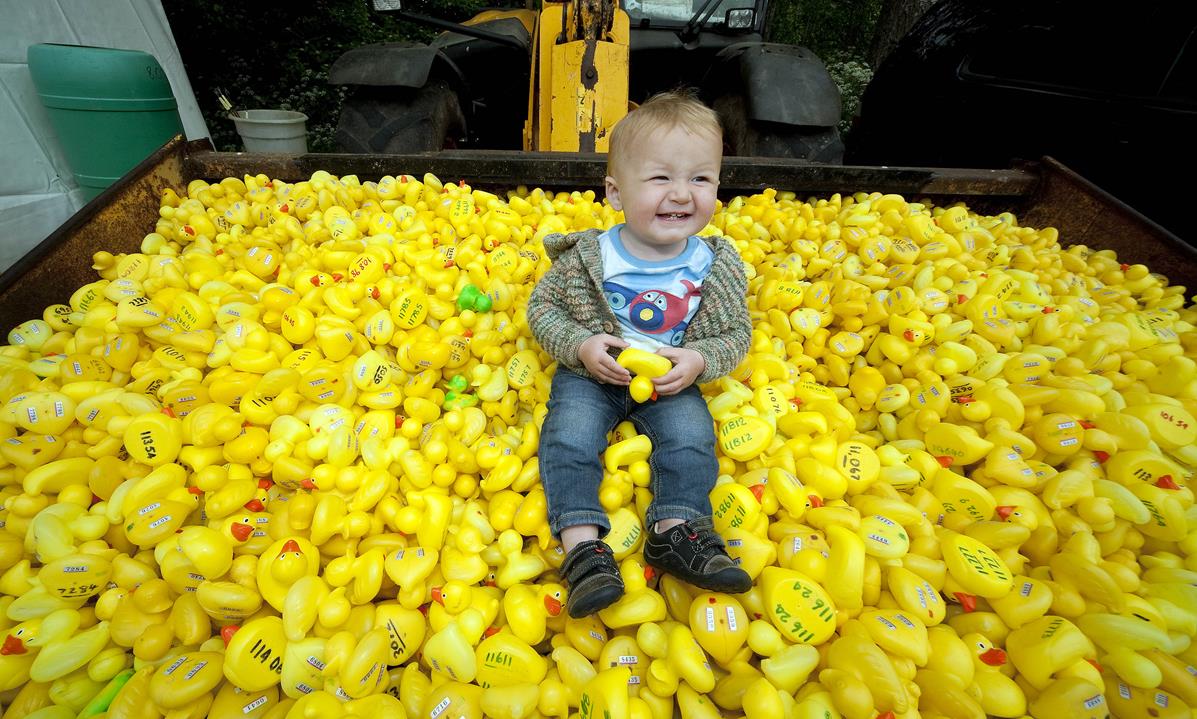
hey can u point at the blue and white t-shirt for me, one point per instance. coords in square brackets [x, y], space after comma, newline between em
[654, 301]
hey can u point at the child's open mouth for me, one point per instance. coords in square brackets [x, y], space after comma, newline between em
[673, 216]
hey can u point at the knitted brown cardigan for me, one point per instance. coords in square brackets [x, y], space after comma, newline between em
[568, 306]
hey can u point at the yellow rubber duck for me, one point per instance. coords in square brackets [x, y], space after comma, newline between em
[63, 648]
[516, 566]
[451, 650]
[17, 654]
[528, 608]
[1071, 698]
[997, 693]
[1048, 646]
[452, 598]
[639, 603]
[282, 564]
[409, 569]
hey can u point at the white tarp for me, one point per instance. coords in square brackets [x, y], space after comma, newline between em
[37, 191]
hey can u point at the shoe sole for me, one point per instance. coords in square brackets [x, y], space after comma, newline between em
[701, 583]
[598, 600]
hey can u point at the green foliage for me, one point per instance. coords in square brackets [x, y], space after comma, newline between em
[276, 55]
[839, 32]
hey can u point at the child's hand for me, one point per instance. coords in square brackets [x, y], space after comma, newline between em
[600, 364]
[687, 365]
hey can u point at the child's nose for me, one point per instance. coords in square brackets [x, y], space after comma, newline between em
[679, 192]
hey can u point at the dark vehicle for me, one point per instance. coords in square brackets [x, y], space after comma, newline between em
[1110, 92]
[470, 87]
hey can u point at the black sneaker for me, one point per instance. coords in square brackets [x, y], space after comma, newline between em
[693, 552]
[592, 577]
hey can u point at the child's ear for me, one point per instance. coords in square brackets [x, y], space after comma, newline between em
[612, 193]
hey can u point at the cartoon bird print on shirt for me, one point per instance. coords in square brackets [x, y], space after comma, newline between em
[653, 312]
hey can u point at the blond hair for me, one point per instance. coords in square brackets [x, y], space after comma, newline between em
[665, 110]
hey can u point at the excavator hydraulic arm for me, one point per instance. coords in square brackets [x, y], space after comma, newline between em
[579, 87]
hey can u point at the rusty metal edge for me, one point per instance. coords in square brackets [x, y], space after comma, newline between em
[1086, 214]
[496, 168]
[84, 214]
[59, 264]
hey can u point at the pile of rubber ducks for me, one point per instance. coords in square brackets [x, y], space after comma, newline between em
[282, 463]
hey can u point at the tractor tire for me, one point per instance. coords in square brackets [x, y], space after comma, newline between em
[755, 138]
[399, 121]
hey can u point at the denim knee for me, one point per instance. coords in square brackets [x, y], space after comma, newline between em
[572, 439]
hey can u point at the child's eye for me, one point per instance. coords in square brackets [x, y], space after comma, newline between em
[701, 178]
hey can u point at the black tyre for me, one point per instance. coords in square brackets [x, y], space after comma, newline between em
[754, 138]
[392, 120]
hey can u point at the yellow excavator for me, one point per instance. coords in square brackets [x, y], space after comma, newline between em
[559, 77]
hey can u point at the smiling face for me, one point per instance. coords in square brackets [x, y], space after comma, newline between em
[665, 185]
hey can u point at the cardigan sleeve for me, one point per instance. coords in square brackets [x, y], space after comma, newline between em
[549, 316]
[722, 330]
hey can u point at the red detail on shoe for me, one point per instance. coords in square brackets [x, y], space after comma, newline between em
[12, 645]
[993, 656]
[692, 536]
[968, 602]
[600, 549]
[255, 505]
[552, 605]
[1004, 510]
[240, 531]
[1101, 456]
[758, 491]
[264, 483]
[944, 461]
[226, 633]
[1165, 481]
[815, 500]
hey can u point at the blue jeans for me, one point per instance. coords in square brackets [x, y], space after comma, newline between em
[574, 437]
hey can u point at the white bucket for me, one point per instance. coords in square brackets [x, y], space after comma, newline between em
[272, 130]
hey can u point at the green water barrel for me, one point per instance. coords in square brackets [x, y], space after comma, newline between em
[110, 108]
